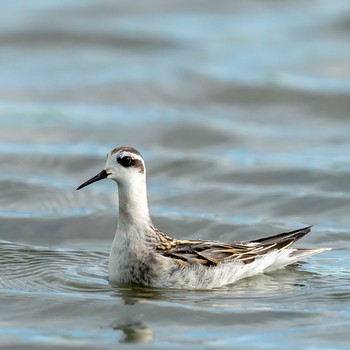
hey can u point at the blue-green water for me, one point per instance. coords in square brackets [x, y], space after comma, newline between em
[241, 110]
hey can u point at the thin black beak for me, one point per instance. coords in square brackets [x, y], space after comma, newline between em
[100, 176]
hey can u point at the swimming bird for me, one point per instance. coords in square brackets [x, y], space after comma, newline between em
[141, 254]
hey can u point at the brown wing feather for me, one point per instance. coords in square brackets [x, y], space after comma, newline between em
[211, 253]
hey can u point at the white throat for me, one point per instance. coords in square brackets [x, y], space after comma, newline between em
[133, 204]
[131, 242]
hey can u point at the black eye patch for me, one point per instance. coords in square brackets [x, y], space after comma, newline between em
[125, 161]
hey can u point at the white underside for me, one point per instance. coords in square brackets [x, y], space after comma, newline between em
[199, 277]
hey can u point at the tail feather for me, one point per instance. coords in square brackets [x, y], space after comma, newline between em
[302, 253]
[288, 256]
[292, 256]
[285, 238]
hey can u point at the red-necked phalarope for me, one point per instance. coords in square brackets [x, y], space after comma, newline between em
[144, 255]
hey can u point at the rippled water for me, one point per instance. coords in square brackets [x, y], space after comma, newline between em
[241, 110]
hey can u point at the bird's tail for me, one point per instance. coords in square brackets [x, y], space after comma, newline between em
[284, 239]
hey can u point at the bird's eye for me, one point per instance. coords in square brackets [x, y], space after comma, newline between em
[125, 161]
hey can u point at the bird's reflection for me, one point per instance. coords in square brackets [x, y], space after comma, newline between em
[132, 295]
[134, 332]
[134, 328]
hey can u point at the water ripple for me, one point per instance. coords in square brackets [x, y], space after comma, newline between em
[38, 269]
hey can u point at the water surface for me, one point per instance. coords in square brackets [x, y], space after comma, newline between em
[241, 110]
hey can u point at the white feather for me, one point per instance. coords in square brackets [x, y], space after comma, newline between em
[201, 277]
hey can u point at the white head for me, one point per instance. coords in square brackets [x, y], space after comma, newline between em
[124, 165]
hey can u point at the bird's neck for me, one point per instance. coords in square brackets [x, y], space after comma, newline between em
[134, 236]
[133, 206]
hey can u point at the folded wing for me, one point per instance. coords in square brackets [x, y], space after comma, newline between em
[211, 253]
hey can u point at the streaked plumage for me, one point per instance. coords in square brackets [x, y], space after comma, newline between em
[144, 255]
